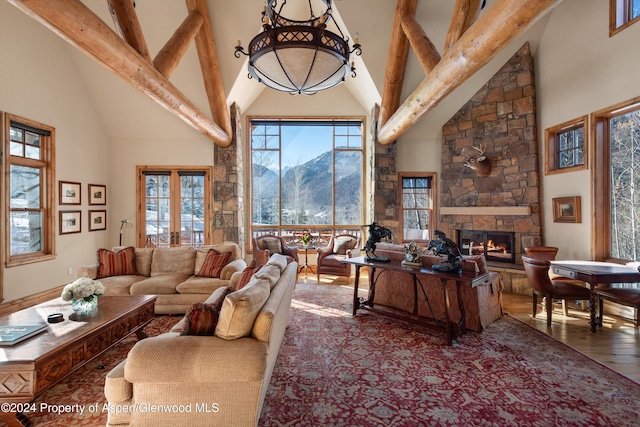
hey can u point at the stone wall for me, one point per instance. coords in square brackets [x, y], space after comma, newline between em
[228, 190]
[502, 118]
[384, 178]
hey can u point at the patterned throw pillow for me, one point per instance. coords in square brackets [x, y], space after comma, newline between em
[342, 244]
[247, 273]
[273, 245]
[201, 319]
[214, 263]
[112, 263]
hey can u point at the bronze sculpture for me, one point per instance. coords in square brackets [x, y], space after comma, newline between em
[376, 234]
[446, 246]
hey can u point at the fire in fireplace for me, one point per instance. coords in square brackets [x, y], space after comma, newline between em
[495, 245]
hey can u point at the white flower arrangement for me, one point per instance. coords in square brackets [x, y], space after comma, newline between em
[83, 288]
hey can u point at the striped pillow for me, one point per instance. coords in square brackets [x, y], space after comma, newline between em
[201, 318]
[112, 263]
[214, 263]
[247, 274]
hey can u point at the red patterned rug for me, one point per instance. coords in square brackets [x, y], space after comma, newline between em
[338, 370]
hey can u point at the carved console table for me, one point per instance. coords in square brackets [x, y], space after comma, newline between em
[464, 278]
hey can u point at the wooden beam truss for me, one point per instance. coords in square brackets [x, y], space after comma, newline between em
[128, 57]
[471, 43]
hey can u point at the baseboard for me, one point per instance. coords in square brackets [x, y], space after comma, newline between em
[12, 306]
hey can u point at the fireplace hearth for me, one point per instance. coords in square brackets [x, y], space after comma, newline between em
[495, 245]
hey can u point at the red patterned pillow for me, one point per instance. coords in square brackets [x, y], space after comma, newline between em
[247, 273]
[201, 319]
[112, 263]
[214, 263]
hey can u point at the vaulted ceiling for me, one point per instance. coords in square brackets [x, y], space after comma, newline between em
[179, 53]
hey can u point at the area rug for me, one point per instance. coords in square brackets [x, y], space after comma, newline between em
[338, 370]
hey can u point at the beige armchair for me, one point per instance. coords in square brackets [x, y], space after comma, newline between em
[340, 247]
[269, 244]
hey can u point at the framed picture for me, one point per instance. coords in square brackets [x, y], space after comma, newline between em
[566, 209]
[97, 220]
[70, 222]
[97, 194]
[69, 193]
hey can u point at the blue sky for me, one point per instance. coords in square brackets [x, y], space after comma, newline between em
[303, 143]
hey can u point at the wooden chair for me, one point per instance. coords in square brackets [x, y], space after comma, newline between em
[538, 276]
[266, 245]
[623, 296]
[340, 247]
[549, 253]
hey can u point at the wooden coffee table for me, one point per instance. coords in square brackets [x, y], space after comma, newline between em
[32, 366]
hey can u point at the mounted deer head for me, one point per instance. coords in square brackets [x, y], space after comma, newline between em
[479, 163]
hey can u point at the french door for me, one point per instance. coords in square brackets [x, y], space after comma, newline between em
[174, 206]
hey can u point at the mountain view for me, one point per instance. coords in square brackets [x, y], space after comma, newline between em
[307, 191]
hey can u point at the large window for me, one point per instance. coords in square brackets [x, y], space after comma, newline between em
[306, 174]
[417, 206]
[617, 182]
[29, 190]
[175, 206]
[622, 13]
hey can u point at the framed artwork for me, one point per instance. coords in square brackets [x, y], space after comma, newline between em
[566, 209]
[97, 194]
[70, 222]
[97, 220]
[69, 193]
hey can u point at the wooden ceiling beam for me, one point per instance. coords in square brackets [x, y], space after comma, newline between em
[499, 25]
[422, 46]
[126, 21]
[465, 13]
[78, 25]
[396, 62]
[172, 52]
[210, 67]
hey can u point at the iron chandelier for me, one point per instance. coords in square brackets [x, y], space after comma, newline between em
[299, 57]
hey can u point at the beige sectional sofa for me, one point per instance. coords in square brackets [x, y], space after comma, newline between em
[205, 380]
[170, 273]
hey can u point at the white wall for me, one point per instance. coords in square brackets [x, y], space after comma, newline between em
[38, 81]
[579, 70]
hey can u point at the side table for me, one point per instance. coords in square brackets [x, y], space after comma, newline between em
[306, 267]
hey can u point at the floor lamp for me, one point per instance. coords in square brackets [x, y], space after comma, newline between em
[124, 221]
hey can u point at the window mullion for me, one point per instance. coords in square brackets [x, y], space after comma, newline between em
[280, 182]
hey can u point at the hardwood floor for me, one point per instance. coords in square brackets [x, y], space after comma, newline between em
[616, 344]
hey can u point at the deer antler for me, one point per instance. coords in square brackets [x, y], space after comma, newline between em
[480, 148]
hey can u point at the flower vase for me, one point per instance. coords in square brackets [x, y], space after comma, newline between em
[85, 305]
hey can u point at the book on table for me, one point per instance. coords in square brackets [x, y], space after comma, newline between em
[13, 334]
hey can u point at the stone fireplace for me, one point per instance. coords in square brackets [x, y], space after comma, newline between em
[501, 118]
